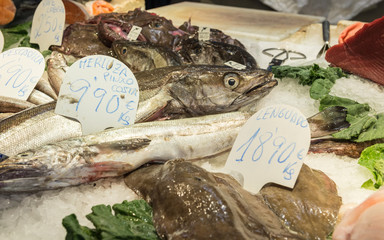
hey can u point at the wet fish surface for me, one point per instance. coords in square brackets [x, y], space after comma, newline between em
[13, 105]
[37, 97]
[341, 147]
[197, 52]
[142, 56]
[26, 127]
[35, 127]
[117, 151]
[190, 203]
[81, 40]
[197, 90]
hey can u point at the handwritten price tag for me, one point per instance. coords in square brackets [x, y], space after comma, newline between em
[235, 65]
[20, 70]
[134, 33]
[48, 24]
[270, 147]
[204, 33]
[1, 41]
[99, 91]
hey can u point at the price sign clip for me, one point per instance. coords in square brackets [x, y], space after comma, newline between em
[204, 34]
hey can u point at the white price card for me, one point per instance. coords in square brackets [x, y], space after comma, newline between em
[270, 147]
[235, 65]
[134, 33]
[1, 41]
[20, 70]
[204, 33]
[48, 24]
[100, 92]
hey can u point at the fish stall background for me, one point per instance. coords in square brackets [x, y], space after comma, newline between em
[39, 215]
[335, 10]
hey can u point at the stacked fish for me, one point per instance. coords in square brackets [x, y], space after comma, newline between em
[181, 79]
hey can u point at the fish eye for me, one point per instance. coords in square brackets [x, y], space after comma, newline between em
[156, 24]
[231, 81]
[124, 50]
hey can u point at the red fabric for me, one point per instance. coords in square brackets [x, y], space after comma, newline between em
[363, 53]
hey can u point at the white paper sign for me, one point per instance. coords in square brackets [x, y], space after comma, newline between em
[48, 24]
[20, 70]
[204, 33]
[1, 41]
[235, 65]
[100, 92]
[270, 147]
[134, 33]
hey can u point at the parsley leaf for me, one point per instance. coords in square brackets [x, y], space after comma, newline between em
[132, 220]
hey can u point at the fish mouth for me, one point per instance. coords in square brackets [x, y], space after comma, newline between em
[256, 92]
[112, 30]
[263, 87]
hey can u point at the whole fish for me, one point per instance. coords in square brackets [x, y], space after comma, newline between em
[192, 90]
[117, 151]
[143, 56]
[208, 205]
[26, 127]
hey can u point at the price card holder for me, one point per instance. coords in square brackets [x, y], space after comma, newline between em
[270, 147]
[204, 33]
[48, 24]
[100, 92]
[235, 65]
[134, 33]
[1, 41]
[20, 70]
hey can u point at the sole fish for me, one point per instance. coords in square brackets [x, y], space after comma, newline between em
[215, 206]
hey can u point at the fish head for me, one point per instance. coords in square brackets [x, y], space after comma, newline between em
[193, 51]
[134, 55]
[143, 56]
[216, 89]
[155, 29]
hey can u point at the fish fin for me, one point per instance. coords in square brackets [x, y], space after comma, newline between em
[123, 145]
[328, 121]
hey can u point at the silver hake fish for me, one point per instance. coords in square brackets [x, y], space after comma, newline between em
[118, 151]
